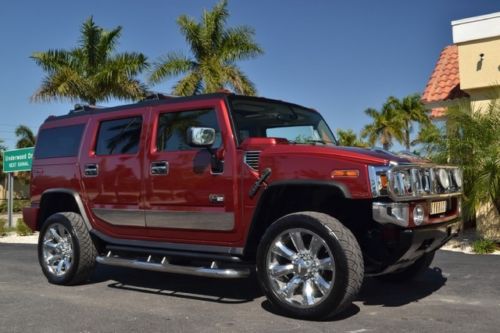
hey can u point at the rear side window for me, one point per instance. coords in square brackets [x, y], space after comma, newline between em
[59, 141]
[173, 126]
[119, 136]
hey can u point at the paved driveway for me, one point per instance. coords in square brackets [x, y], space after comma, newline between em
[461, 293]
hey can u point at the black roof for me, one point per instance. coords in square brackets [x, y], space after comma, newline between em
[157, 101]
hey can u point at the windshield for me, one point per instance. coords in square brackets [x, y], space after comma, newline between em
[257, 118]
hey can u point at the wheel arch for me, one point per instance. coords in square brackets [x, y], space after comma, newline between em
[286, 197]
[59, 200]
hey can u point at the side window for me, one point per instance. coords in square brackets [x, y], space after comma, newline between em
[173, 126]
[119, 136]
[59, 141]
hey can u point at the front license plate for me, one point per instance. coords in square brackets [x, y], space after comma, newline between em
[438, 207]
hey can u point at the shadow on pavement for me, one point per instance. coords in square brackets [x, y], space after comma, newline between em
[182, 286]
[373, 292]
[390, 294]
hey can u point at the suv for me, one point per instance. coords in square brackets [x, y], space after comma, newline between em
[221, 185]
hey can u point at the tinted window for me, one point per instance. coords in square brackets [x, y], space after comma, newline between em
[173, 126]
[120, 136]
[59, 141]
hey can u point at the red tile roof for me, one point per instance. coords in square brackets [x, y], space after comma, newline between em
[444, 83]
[437, 112]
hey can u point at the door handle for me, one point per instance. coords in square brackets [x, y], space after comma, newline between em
[91, 170]
[159, 168]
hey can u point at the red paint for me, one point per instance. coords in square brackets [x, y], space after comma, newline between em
[125, 181]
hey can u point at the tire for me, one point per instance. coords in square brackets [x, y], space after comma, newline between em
[316, 262]
[66, 252]
[410, 272]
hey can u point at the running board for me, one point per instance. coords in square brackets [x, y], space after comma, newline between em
[164, 266]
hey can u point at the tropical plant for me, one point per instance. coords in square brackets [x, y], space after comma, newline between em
[484, 246]
[2, 149]
[350, 139]
[92, 72]
[410, 109]
[387, 125]
[215, 50]
[471, 140]
[25, 137]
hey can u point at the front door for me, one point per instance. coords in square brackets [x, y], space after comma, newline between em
[186, 197]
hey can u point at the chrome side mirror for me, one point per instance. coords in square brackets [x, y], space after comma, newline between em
[201, 136]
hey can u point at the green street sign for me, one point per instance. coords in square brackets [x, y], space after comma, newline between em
[18, 159]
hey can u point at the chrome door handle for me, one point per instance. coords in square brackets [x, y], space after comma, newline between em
[91, 170]
[159, 168]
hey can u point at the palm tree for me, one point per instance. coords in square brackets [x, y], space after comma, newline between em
[215, 50]
[386, 126]
[411, 110]
[25, 135]
[92, 72]
[349, 138]
[2, 149]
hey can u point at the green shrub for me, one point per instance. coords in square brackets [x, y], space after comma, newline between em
[3, 228]
[484, 246]
[22, 229]
[18, 206]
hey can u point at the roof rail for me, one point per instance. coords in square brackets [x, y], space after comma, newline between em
[155, 97]
[82, 107]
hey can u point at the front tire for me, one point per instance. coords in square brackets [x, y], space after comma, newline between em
[309, 265]
[66, 252]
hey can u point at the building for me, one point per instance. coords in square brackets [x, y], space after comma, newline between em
[469, 72]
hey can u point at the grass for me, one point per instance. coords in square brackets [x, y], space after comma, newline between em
[484, 246]
[22, 228]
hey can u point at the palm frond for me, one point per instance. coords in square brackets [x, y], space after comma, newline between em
[171, 65]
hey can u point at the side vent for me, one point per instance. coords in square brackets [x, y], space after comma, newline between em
[252, 159]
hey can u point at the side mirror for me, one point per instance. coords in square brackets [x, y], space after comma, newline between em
[200, 136]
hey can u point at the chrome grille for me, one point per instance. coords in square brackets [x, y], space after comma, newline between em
[252, 159]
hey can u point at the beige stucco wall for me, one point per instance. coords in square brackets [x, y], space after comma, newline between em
[475, 73]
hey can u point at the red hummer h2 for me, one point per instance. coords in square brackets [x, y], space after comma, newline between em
[219, 185]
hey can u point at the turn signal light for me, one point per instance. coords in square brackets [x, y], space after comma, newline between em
[345, 173]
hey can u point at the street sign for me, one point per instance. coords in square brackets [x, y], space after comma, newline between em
[18, 159]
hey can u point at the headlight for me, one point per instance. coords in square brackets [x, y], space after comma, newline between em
[457, 177]
[418, 214]
[444, 181]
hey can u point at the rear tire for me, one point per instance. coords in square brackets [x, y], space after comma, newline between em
[66, 252]
[410, 272]
[309, 265]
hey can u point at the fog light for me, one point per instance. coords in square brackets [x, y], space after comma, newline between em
[418, 214]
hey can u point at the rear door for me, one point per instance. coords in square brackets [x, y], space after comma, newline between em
[111, 167]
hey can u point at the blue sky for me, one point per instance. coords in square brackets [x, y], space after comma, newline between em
[339, 57]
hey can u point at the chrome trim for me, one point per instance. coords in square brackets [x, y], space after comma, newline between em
[168, 245]
[121, 217]
[159, 168]
[422, 180]
[219, 221]
[164, 266]
[381, 213]
[252, 158]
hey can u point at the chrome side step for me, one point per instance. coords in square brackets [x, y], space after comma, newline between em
[164, 266]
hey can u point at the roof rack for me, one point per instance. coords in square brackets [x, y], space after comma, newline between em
[156, 97]
[82, 107]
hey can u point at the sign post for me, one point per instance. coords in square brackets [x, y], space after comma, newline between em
[13, 161]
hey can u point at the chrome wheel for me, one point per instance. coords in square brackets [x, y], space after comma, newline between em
[57, 249]
[301, 267]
